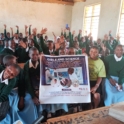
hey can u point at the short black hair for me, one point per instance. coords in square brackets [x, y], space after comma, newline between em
[50, 41]
[33, 49]
[118, 46]
[94, 47]
[17, 67]
[7, 58]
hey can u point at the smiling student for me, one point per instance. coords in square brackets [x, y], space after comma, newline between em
[96, 73]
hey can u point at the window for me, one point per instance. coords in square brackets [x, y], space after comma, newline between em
[91, 20]
[121, 25]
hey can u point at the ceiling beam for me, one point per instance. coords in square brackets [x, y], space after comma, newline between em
[54, 1]
[65, 2]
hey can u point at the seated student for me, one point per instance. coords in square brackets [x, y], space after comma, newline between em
[8, 82]
[11, 48]
[62, 52]
[49, 48]
[22, 51]
[32, 77]
[114, 82]
[32, 80]
[77, 48]
[104, 52]
[96, 73]
[71, 51]
[20, 102]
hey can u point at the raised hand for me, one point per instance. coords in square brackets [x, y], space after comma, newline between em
[106, 37]
[80, 31]
[11, 28]
[22, 44]
[44, 30]
[26, 26]
[30, 26]
[17, 26]
[118, 37]
[110, 32]
[4, 25]
[73, 32]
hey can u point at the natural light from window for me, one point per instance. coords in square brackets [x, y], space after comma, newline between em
[91, 20]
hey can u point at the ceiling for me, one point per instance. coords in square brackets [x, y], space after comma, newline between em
[67, 2]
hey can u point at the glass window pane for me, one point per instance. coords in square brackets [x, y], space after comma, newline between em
[91, 20]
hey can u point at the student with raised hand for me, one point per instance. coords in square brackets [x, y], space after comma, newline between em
[7, 35]
[22, 51]
[7, 83]
[49, 48]
[38, 46]
[96, 73]
[114, 82]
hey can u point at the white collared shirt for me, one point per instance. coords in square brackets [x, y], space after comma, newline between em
[116, 58]
[31, 65]
[3, 81]
[16, 40]
[11, 49]
[51, 51]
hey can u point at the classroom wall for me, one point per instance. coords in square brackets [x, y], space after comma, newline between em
[109, 15]
[18, 12]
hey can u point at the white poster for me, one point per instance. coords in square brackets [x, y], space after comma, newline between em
[64, 79]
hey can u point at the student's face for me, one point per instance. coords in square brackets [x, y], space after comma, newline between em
[31, 44]
[10, 72]
[119, 51]
[61, 52]
[71, 52]
[99, 41]
[12, 44]
[8, 34]
[76, 45]
[34, 55]
[94, 53]
[20, 35]
[50, 45]
[70, 70]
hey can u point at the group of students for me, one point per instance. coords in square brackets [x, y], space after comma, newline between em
[21, 86]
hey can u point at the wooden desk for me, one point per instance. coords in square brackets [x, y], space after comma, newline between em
[95, 116]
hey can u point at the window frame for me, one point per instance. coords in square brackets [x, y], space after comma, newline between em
[84, 17]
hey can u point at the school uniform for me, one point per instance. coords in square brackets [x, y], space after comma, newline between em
[46, 50]
[8, 51]
[8, 38]
[22, 54]
[38, 46]
[115, 70]
[111, 45]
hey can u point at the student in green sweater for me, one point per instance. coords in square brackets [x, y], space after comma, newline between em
[8, 80]
[114, 83]
[11, 48]
[96, 73]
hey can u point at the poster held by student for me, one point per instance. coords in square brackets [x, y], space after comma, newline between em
[64, 79]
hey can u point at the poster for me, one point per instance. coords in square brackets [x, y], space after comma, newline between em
[64, 79]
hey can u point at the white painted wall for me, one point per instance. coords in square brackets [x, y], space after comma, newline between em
[109, 16]
[18, 12]
[55, 16]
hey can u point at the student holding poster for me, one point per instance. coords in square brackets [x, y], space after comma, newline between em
[96, 72]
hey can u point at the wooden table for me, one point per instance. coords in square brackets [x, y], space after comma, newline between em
[95, 116]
